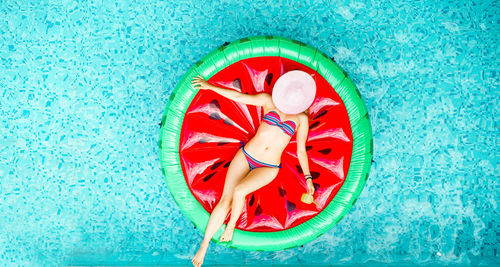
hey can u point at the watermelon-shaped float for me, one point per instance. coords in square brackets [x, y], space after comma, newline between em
[201, 132]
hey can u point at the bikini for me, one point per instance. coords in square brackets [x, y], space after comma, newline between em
[271, 118]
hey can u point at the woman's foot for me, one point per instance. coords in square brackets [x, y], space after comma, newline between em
[227, 235]
[200, 255]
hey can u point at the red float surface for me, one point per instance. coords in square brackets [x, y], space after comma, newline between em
[214, 126]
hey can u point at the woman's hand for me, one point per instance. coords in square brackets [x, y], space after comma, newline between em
[310, 186]
[199, 81]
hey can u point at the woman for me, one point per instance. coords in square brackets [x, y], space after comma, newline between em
[257, 163]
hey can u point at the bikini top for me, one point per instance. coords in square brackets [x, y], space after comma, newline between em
[273, 118]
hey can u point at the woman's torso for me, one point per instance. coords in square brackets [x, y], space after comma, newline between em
[270, 140]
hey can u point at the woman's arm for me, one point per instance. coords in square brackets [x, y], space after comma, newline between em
[261, 99]
[302, 132]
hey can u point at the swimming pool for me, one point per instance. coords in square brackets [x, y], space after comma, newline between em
[83, 90]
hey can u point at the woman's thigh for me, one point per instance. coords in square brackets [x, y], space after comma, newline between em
[238, 168]
[256, 179]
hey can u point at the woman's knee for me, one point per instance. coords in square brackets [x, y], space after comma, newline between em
[226, 201]
[239, 192]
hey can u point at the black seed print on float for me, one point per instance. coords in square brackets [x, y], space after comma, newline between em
[227, 164]
[320, 114]
[325, 151]
[282, 192]
[228, 122]
[269, 78]
[203, 141]
[208, 177]
[237, 83]
[215, 116]
[308, 148]
[258, 211]
[252, 199]
[290, 206]
[217, 164]
[315, 175]
[221, 143]
[215, 104]
[299, 169]
[316, 186]
[314, 125]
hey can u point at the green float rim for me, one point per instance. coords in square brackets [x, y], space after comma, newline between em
[362, 151]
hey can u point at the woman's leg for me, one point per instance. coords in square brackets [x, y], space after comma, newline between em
[236, 171]
[256, 179]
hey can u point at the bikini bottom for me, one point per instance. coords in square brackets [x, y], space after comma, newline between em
[253, 163]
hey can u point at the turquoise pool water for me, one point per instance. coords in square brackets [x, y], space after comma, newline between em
[84, 86]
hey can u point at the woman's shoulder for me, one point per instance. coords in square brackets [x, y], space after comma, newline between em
[265, 95]
[268, 102]
[303, 118]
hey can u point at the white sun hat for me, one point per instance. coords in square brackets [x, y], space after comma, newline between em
[294, 92]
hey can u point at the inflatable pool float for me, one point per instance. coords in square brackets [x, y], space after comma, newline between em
[201, 132]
